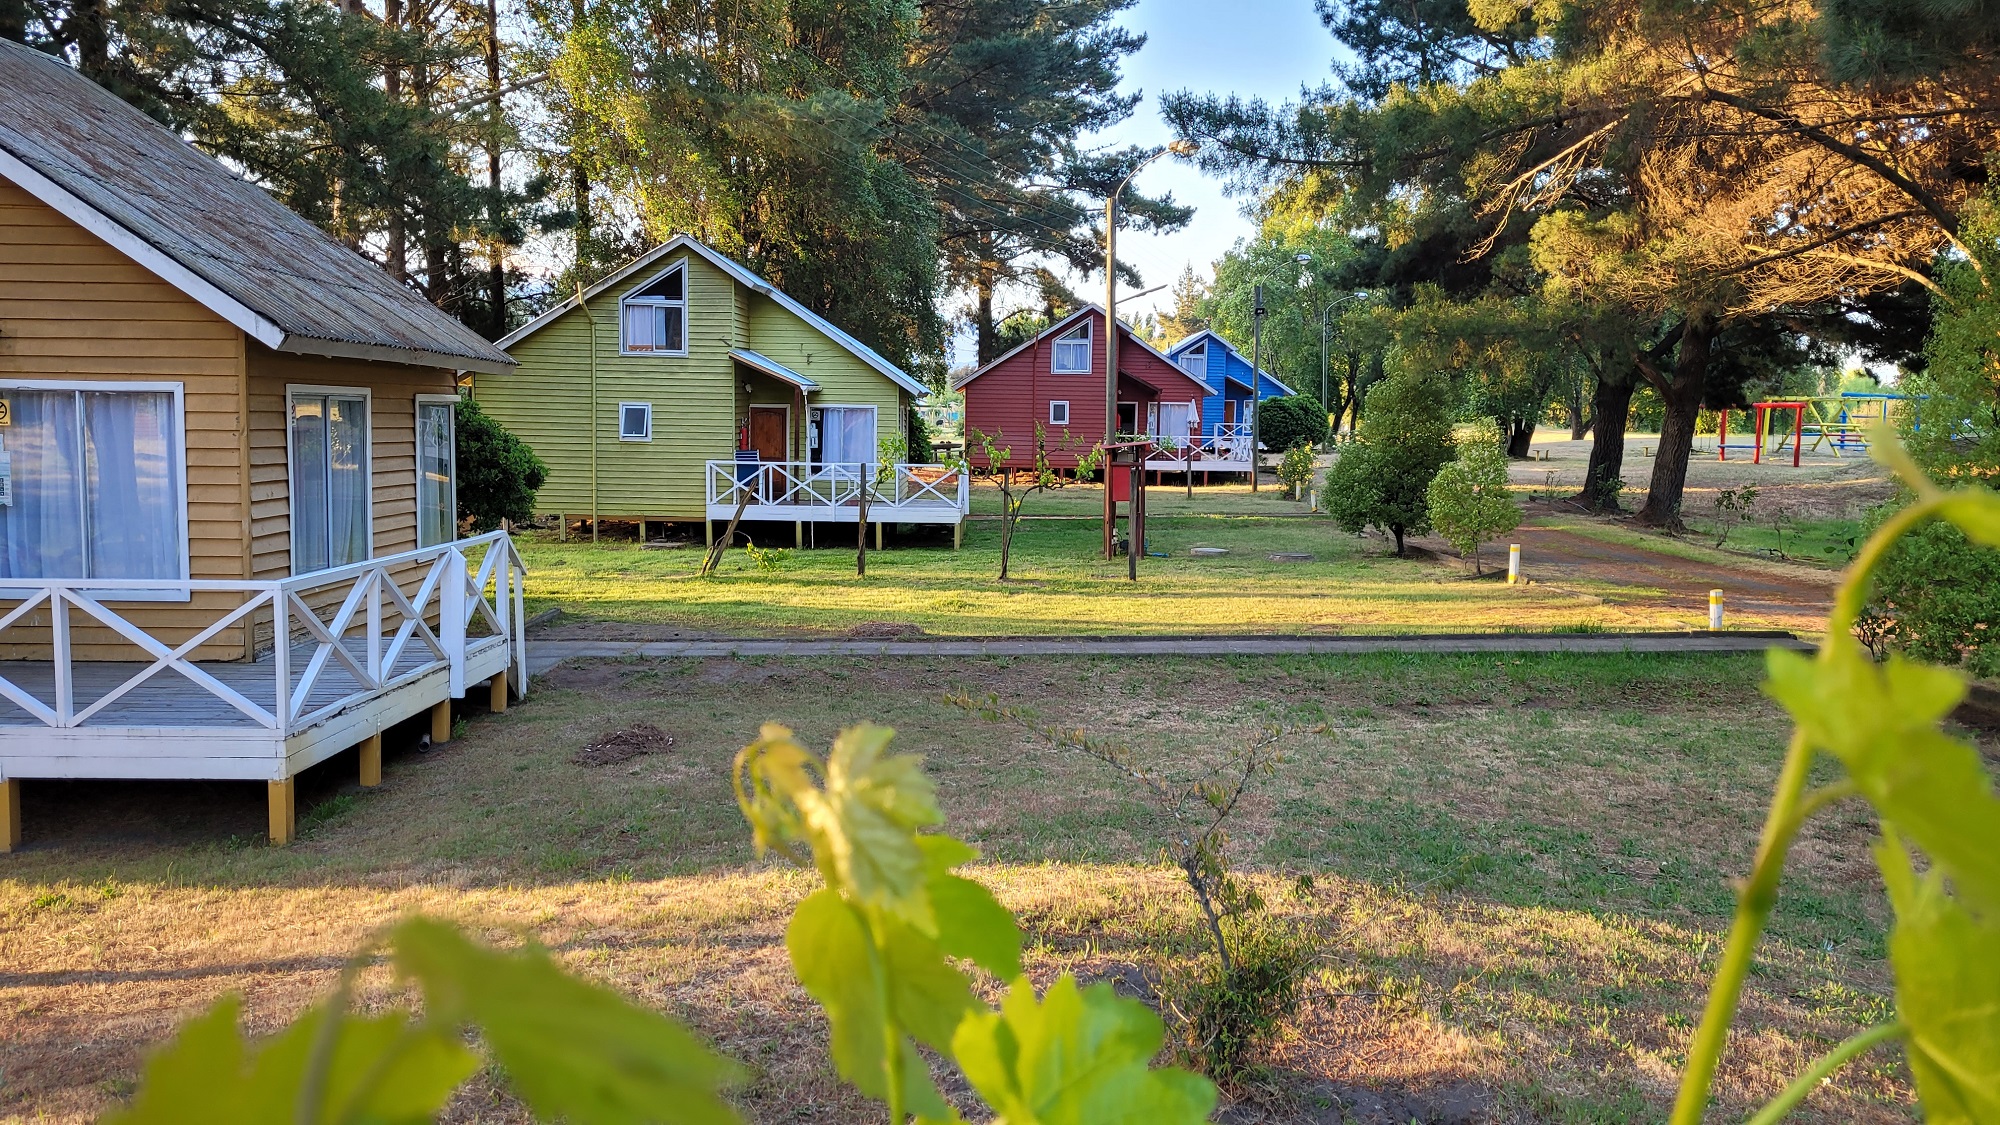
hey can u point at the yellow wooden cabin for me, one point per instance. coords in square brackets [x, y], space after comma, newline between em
[229, 546]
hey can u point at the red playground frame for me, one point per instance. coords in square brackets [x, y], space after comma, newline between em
[1764, 411]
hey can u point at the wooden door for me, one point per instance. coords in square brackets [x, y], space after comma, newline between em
[1228, 411]
[768, 433]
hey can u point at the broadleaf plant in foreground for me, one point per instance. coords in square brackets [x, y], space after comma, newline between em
[874, 947]
[1932, 795]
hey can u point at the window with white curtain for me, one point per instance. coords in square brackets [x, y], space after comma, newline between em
[329, 460]
[1071, 355]
[1194, 361]
[437, 471]
[846, 434]
[653, 317]
[93, 484]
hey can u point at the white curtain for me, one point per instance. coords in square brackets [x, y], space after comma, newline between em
[846, 434]
[329, 481]
[437, 509]
[96, 486]
[1174, 423]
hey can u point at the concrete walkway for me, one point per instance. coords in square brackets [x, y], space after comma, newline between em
[543, 655]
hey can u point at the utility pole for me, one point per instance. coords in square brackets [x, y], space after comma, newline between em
[1256, 377]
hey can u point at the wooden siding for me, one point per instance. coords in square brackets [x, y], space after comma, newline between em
[698, 399]
[1009, 399]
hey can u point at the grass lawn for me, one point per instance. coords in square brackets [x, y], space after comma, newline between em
[1061, 585]
[1520, 875]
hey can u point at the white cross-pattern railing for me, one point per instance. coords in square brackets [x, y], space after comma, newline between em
[1229, 442]
[462, 598]
[800, 484]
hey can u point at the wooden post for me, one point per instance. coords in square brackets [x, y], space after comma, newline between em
[799, 534]
[958, 534]
[861, 539]
[642, 529]
[371, 761]
[708, 534]
[441, 722]
[878, 535]
[498, 684]
[280, 795]
[562, 527]
[10, 814]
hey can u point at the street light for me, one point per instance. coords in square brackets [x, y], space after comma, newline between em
[1178, 148]
[1325, 314]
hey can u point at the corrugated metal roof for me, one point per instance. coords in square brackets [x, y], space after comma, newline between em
[772, 368]
[68, 136]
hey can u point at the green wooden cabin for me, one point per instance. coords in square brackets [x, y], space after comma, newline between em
[641, 399]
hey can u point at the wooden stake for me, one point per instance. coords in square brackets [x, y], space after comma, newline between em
[716, 547]
[280, 795]
[371, 761]
[441, 722]
[499, 699]
[10, 814]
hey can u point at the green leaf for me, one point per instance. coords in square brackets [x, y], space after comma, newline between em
[971, 923]
[864, 826]
[573, 1049]
[1077, 1058]
[1977, 513]
[1881, 722]
[1947, 967]
[833, 957]
[197, 1075]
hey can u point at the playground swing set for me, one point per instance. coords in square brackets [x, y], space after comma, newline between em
[1839, 423]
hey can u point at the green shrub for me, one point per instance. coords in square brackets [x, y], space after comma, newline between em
[498, 475]
[1468, 501]
[920, 449]
[1226, 1012]
[1291, 420]
[1295, 469]
[1940, 594]
[1383, 477]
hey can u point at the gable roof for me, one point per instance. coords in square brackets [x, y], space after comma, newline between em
[742, 276]
[1061, 325]
[223, 241]
[1189, 341]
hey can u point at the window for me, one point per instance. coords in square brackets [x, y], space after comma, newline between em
[846, 435]
[329, 456]
[635, 421]
[1194, 361]
[437, 470]
[654, 316]
[1072, 352]
[1058, 413]
[91, 483]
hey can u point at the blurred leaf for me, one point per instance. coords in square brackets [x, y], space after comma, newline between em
[1078, 1058]
[1881, 721]
[971, 923]
[834, 959]
[1977, 513]
[1947, 992]
[198, 1074]
[864, 829]
[779, 769]
[574, 1050]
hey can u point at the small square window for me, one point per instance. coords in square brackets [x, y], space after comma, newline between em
[1058, 413]
[635, 421]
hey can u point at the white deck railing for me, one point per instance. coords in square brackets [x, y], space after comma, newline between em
[808, 491]
[391, 599]
[1229, 442]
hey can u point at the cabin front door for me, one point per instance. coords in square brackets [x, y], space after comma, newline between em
[1128, 417]
[1229, 412]
[769, 432]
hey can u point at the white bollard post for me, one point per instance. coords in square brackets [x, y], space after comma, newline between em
[1714, 610]
[1513, 563]
[1315, 500]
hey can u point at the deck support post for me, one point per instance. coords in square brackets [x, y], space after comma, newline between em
[281, 795]
[878, 535]
[10, 814]
[957, 534]
[441, 722]
[642, 530]
[708, 534]
[562, 527]
[498, 684]
[371, 761]
[799, 534]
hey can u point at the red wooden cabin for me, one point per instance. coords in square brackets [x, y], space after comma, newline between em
[1057, 380]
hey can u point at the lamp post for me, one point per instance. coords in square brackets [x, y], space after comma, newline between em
[1256, 379]
[1325, 316]
[1178, 148]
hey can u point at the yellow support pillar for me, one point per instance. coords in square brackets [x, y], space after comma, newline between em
[441, 722]
[281, 795]
[371, 761]
[10, 814]
[498, 684]
[878, 535]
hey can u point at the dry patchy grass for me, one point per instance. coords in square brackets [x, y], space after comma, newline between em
[1518, 875]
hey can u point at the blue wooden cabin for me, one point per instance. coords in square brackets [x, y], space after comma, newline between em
[1227, 373]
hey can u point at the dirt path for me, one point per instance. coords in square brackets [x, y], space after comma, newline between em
[1756, 594]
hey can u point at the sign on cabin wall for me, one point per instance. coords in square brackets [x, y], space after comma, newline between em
[6, 412]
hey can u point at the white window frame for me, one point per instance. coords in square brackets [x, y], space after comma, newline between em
[418, 419]
[1062, 421]
[179, 454]
[648, 408]
[366, 394]
[1089, 350]
[1199, 353]
[875, 454]
[687, 326]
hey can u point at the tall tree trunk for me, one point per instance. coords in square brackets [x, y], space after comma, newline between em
[987, 333]
[496, 272]
[398, 235]
[1611, 408]
[93, 39]
[1683, 395]
[1579, 422]
[579, 176]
